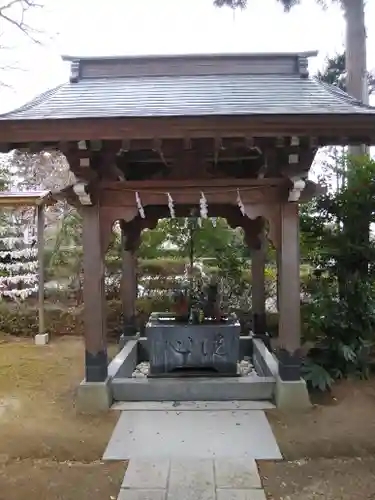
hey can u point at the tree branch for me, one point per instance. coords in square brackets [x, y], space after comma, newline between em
[287, 4]
[14, 12]
[233, 4]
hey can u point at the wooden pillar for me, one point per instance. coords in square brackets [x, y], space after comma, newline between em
[289, 293]
[128, 287]
[258, 264]
[94, 297]
[278, 280]
[41, 277]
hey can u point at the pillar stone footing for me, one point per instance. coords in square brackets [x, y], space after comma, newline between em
[41, 339]
[292, 395]
[93, 397]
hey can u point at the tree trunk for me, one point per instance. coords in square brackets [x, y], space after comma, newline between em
[356, 64]
[356, 57]
[357, 87]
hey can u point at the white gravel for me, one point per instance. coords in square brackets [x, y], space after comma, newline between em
[244, 368]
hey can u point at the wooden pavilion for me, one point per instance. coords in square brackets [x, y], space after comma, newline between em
[241, 128]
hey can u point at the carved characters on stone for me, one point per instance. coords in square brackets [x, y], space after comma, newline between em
[182, 347]
[209, 348]
[219, 345]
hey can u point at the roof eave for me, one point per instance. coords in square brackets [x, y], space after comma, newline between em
[16, 131]
[34, 199]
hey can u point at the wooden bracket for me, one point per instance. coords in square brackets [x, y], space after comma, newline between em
[83, 196]
[298, 186]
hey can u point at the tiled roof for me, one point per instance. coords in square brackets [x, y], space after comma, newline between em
[241, 93]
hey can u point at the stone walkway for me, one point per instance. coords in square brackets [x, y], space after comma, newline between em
[193, 450]
[195, 434]
[220, 479]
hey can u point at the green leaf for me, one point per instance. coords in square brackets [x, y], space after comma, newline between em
[316, 375]
[347, 352]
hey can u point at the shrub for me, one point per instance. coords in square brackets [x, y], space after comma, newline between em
[22, 320]
[341, 330]
[162, 267]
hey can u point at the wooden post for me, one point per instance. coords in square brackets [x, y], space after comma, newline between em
[258, 264]
[128, 287]
[96, 362]
[278, 279]
[289, 293]
[41, 278]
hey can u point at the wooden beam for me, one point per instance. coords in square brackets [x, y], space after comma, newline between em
[166, 185]
[122, 196]
[333, 127]
[173, 146]
[140, 149]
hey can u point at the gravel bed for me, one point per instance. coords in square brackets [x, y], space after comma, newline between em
[244, 369]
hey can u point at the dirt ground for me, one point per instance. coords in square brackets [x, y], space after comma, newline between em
[50, 480]
[329, 450]
[342, 425]
[320, 479]
[48, 451]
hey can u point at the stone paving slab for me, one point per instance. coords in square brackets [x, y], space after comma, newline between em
[145, 474]
[141, 495]
[191, 494]
[191, 473]
[236, 474]
[191, 480]
[238, 434]
[192, 405]
[240, 495]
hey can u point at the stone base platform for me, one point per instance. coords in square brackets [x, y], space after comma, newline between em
[258, 385]
[193, 389]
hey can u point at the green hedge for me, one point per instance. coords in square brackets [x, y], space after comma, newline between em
[22, 320]
[162, 267]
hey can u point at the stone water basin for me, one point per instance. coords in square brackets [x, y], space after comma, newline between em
[178, 349]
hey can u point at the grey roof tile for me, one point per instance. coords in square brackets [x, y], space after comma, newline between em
[200, 95]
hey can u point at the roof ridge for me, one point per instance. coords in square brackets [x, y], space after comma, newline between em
[33, 102]
[193, 55]
[341, 94]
